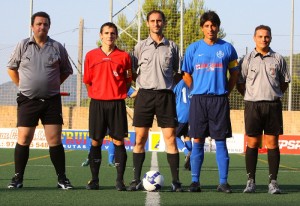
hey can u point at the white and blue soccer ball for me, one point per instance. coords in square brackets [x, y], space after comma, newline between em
[153, 181]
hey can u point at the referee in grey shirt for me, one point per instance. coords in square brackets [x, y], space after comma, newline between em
[263, 80]
[38, 66]
[155, 60]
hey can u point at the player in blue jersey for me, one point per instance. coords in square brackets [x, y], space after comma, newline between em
[111, 149]
[181, 91]
[205, 66]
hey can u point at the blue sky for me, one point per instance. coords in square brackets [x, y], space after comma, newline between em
[238, 17]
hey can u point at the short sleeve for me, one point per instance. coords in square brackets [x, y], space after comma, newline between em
[15, 57]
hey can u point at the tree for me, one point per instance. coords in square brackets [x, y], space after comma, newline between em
[295, 84]
[128, 34]
[171, 9]
[191, 32]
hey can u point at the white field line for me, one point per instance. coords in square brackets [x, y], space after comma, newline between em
[153, 198]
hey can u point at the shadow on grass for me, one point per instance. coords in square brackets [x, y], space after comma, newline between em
[51, 188]
[240, 188]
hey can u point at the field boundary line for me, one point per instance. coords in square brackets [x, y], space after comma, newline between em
[33, 158]
[153, 198]
[280, 165]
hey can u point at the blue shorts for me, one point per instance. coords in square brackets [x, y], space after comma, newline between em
[182, 130]
[210, 116]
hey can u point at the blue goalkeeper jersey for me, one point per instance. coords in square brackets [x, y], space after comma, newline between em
[208, 65]
[181, 91]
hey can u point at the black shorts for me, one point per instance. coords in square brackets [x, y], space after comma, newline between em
[210, 116]
[31, 110]
[263, 117]
[182, 130]
[155, 102]
[108, 115]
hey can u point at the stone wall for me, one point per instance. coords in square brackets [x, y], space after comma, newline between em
[77, 118]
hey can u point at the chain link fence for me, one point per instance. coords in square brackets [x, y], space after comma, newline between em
[130, 19]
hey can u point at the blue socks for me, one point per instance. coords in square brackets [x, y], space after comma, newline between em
[185, 147]
[197, 157]
[188, 145]
[222, 158]
[181, 146]
[111, 153]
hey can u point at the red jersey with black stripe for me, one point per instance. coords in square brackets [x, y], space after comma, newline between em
[107, 75]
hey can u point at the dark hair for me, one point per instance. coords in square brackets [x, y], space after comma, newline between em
[210, 16]
[159, 12]
[264, 27]
[111, 25]
[40, 14]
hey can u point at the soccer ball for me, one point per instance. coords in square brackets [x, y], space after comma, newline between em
[153, 181]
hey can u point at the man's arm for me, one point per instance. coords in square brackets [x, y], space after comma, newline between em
[133, 95]
[285, 77]
[284, 86]
[128, 72]
[14, 75]
[132, 92]
[241, 85]
[241, 88]
[87, 86]
[232, 80]
[134, 63]
[128, 85]
[65, 65]
[63, 77]
[188, 79]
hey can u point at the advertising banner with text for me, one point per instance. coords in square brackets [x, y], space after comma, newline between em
[71, 139]
[79, 140]
[288, 144]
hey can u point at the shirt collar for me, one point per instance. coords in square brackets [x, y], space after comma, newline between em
[32, 40]
[150, 41]
[256, 54]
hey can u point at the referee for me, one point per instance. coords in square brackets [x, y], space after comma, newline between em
[263, 80]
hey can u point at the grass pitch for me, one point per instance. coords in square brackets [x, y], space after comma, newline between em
[40, 182]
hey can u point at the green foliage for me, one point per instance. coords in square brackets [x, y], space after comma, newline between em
[295, 84]
[128, 35]
[85, 102]
[191, 32]
[171, 9]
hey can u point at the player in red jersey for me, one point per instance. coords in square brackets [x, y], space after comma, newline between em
[107, 76]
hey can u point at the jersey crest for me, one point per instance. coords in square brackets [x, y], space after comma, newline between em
[220, 54]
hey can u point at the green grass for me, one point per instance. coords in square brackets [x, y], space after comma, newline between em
[40, 182]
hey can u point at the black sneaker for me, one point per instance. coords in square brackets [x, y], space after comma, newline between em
[187, 164]
[176, 186]
[120, 186]
[195, 187]
[224, 188]
[93, 185]
[16, 182]
[64, 184]
[135, 185]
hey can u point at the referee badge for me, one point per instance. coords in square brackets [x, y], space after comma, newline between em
[272, 71]
[115, 73]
